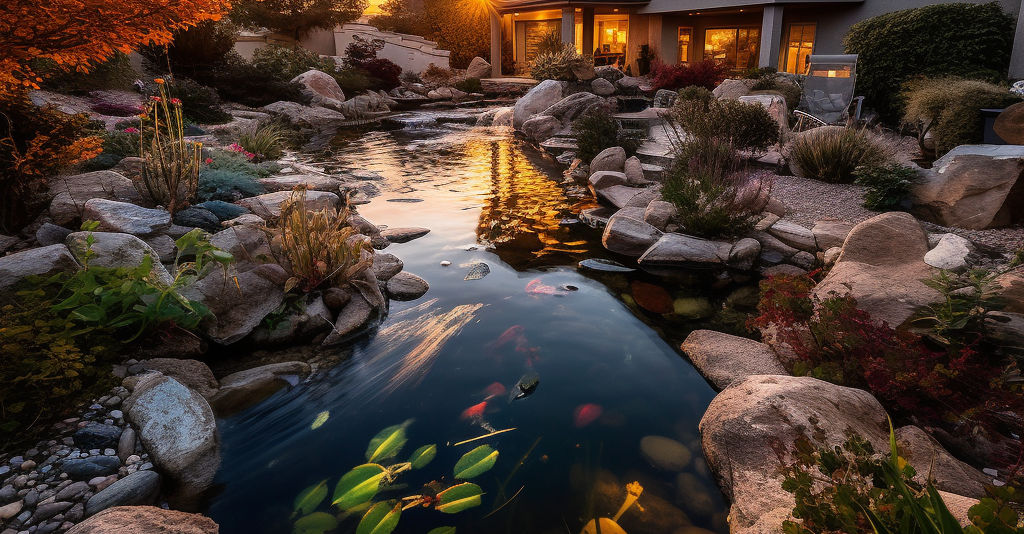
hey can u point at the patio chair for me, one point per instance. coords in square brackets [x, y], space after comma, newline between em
[828, 91]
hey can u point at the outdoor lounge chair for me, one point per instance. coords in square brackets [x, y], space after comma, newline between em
[828, 91]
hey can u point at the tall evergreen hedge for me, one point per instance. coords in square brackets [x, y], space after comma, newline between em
[967, 40]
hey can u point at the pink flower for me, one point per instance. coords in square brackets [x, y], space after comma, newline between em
[208, 161]
[131, 129]
[175, 101]
[250, 155]
[156, 99]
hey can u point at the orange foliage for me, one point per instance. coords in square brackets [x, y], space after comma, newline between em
[74, 32]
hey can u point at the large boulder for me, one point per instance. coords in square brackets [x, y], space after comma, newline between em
[679, 250]
[569, 108]
[193, 374]
[541, 97]
[145, 520]
[321, 89]
[243, 389]
[724, 359]
[946, 472]
[629, 235]
[610, 73]
[605, 179]
[540, 128]
[1009, 124]
[178, 429]
[248, 244]
[882, 266]
[973, 187]
[44, 261]
[732, 89]
[755, 420]
[830, 233]
[609, 159]
[126, 217]
[114, 250]
[269, 205]
[304, 116]
[602, 87]
[239, 302]
[70, 193]
[478, 68]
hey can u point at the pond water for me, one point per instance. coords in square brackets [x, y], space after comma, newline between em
[607, 379]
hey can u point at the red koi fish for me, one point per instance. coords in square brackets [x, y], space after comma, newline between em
[514, 333]
[536, 287]
[494, 390]
[585, 414]
[474, 412]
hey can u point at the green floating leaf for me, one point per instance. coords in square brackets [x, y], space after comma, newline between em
[321, 418]
[358, 486]
[442, 530]
[386, 443]
[316, 523]
[311, 497]
[381, 519]
[458, 498]
[476, 462]
[422, 456]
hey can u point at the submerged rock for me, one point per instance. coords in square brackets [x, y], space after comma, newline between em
[243, 389]
[665, 453]
[600, 264]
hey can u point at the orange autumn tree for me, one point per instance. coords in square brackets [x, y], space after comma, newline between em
[36, 143]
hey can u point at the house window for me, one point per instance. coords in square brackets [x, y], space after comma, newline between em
[736, 48]
[685, 41]
[536, 31]
[798, 47]
[610, 39]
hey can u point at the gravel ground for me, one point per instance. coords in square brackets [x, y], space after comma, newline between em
[809, 200]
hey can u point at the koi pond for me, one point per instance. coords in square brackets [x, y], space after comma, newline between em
[591, 388]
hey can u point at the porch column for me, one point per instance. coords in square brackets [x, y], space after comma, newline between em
[568, 25]
[1017, 55]
[495, 44]
[771, 36]
[588, 31]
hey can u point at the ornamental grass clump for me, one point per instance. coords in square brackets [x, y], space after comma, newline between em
[170, 163]
[832, 153]
[560, 64]
[264, 140]
[320, 247]
[744, 126]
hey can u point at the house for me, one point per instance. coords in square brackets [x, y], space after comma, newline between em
[740, 33]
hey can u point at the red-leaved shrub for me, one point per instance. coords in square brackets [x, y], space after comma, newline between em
[707, 74]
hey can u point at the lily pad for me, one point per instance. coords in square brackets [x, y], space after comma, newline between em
[311, 497]
[603, 265]
[381, 519]
[476, 462]
[316, 523]
[321, 418]
[442, 530]
[458, 498]
[358, 486]
[525, 387]
[386, 443]
[422, 456]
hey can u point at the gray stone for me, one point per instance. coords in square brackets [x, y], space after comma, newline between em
[193, 374]
[316, 118]
[407, 286]
[950, 254]
[178, 429]
[125, 217]
[541, 97]
[659, 213]
[629, 235]
[793, 235]
[139, 488]
[44, 261]
[313, 182]
[243, 389]
[609, 159]
[831, 233]
[610, 73]
[584, 72]
[403, 235]
[116, 250]
[335, 298]
[164, 247]
[7, 241]
[628, 85]
[478, 68]
[973, 187]
[268, 205]
[88, 468]
[602, 87]
[605, 179]
[619, 195]
[10, 510]
[198, 217]
[321, 88]
[679, 250]
[573, 106]
[744, 253]
[96, 436]
[72, 491]
[540, 128]
[46, 511]
[356, 313]
[724, 359]
[732, 89]
[237, 309]
[831, 255]
[248, 244]
[804, 260]
[386, 266]
[126, 445]
[770, 242]
[634, 170]
[70, 193]
[930, 460]
[51, 234]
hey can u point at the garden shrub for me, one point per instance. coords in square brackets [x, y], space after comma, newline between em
[831, 153]
[954, 386]
[560, 64]
[115, 72]
[199, 104]
[773, 83]
[949, 109]
[960, 39]
[470, 85]
[285, 63]
[887, 185]
[437, 76]
[713, 198]
[226, 185]
[746, 126]
[117, 145]
[238, 80]
[235, 160]
[707, 74]
[597, 130]
[264, 139]
[36, 143]
[194, 52]
[361, 54]
[695, 92]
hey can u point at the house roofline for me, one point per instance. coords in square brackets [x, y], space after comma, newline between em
[509, 6]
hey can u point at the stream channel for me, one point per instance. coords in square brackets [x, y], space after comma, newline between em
[610, 372]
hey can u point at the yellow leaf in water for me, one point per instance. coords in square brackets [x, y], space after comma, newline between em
[321, 418]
